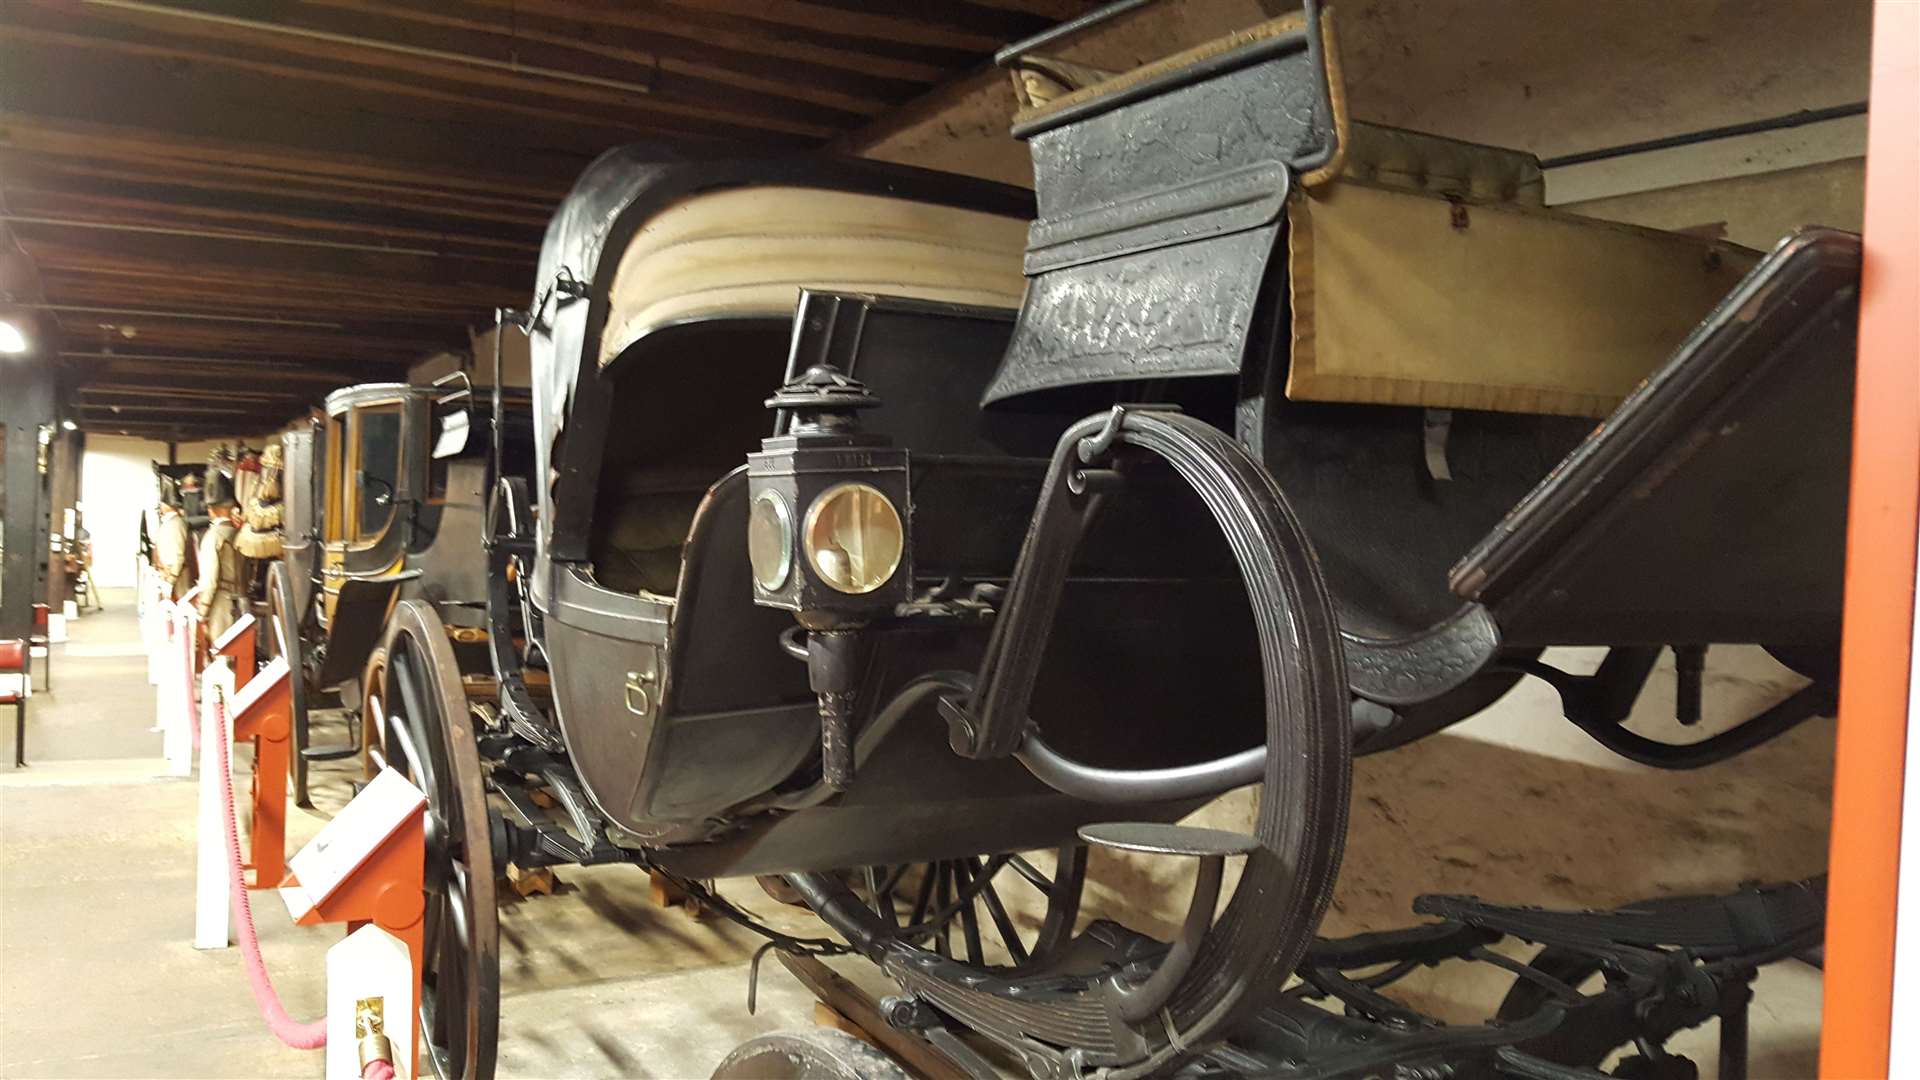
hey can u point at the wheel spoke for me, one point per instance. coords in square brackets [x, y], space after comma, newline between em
[401, 677]
[924, 897]
[1063, 900]
[969, 918]
[882, 897]
[942, 941]
[457, 902]
[1032, 873]
[1003, 925]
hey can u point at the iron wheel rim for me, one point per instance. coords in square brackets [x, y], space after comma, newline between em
[427, 735]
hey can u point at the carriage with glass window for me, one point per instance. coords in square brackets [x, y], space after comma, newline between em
[384, 498]
[886, 529]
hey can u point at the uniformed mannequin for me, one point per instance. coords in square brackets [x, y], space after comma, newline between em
[222, 567]
[170, 546]
[193, 502]
[261, 539]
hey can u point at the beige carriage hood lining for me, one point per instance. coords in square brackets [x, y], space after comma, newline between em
[749, 251]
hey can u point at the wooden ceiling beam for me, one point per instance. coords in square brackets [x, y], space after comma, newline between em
[771, 38]
[122, 164]
[161, 367]
[37, 185]
[162, 148]
[80, 210]
[997, 25]
[352, 330]
[904, 24]
[1053, 11]
[332, 307]
[382, 85]
[296, 291]
[96, 333]
[205, 408]
[665, 57]
[245, 266]
[55, 246]
[109, 394]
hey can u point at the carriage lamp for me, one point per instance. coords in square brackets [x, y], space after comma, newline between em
[827, 537]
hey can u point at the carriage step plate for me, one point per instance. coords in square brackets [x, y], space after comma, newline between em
[328, 753]
[1157, 838]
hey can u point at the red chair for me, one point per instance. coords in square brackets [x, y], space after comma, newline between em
[17, 659]
[40, 640]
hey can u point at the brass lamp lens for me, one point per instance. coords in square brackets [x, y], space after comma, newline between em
[853, 538]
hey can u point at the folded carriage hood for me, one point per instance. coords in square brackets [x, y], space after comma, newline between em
[570, 252]
[609, 203]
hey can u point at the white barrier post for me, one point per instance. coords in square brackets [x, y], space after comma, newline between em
[369, 991]
[176, 693]
[212, 914]
[152, 624]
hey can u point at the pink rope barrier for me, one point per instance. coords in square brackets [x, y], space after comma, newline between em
[308, 1036]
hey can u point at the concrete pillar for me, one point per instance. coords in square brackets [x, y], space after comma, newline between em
[26, 403]
[64, 487]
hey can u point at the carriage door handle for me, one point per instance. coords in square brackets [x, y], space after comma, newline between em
[639, 700]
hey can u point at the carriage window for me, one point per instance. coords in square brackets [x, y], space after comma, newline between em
[379, 473]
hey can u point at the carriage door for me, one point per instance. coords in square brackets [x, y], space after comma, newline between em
[333, 515]
[363, 491]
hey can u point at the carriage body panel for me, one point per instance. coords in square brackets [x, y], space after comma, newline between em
[684, 717]
[648, 387]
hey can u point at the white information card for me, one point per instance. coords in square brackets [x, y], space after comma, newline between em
[353, 835]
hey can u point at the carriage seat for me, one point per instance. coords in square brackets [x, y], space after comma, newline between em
[649, 514]
[1421, 270]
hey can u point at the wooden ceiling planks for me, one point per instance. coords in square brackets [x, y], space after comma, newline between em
[297, 195]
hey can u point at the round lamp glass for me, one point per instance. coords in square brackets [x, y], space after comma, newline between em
[853, 538]
[770, 540]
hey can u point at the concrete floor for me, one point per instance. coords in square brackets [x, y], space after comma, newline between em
[98, 977]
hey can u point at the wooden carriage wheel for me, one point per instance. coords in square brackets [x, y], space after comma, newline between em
[427, 734]
[284, 640]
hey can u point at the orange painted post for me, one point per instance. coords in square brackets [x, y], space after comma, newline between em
[237, 645]
[264, 713]
[1877, 643]
[387, 890]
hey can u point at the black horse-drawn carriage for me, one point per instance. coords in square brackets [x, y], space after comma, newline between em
[852, 545]
[384, 497]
